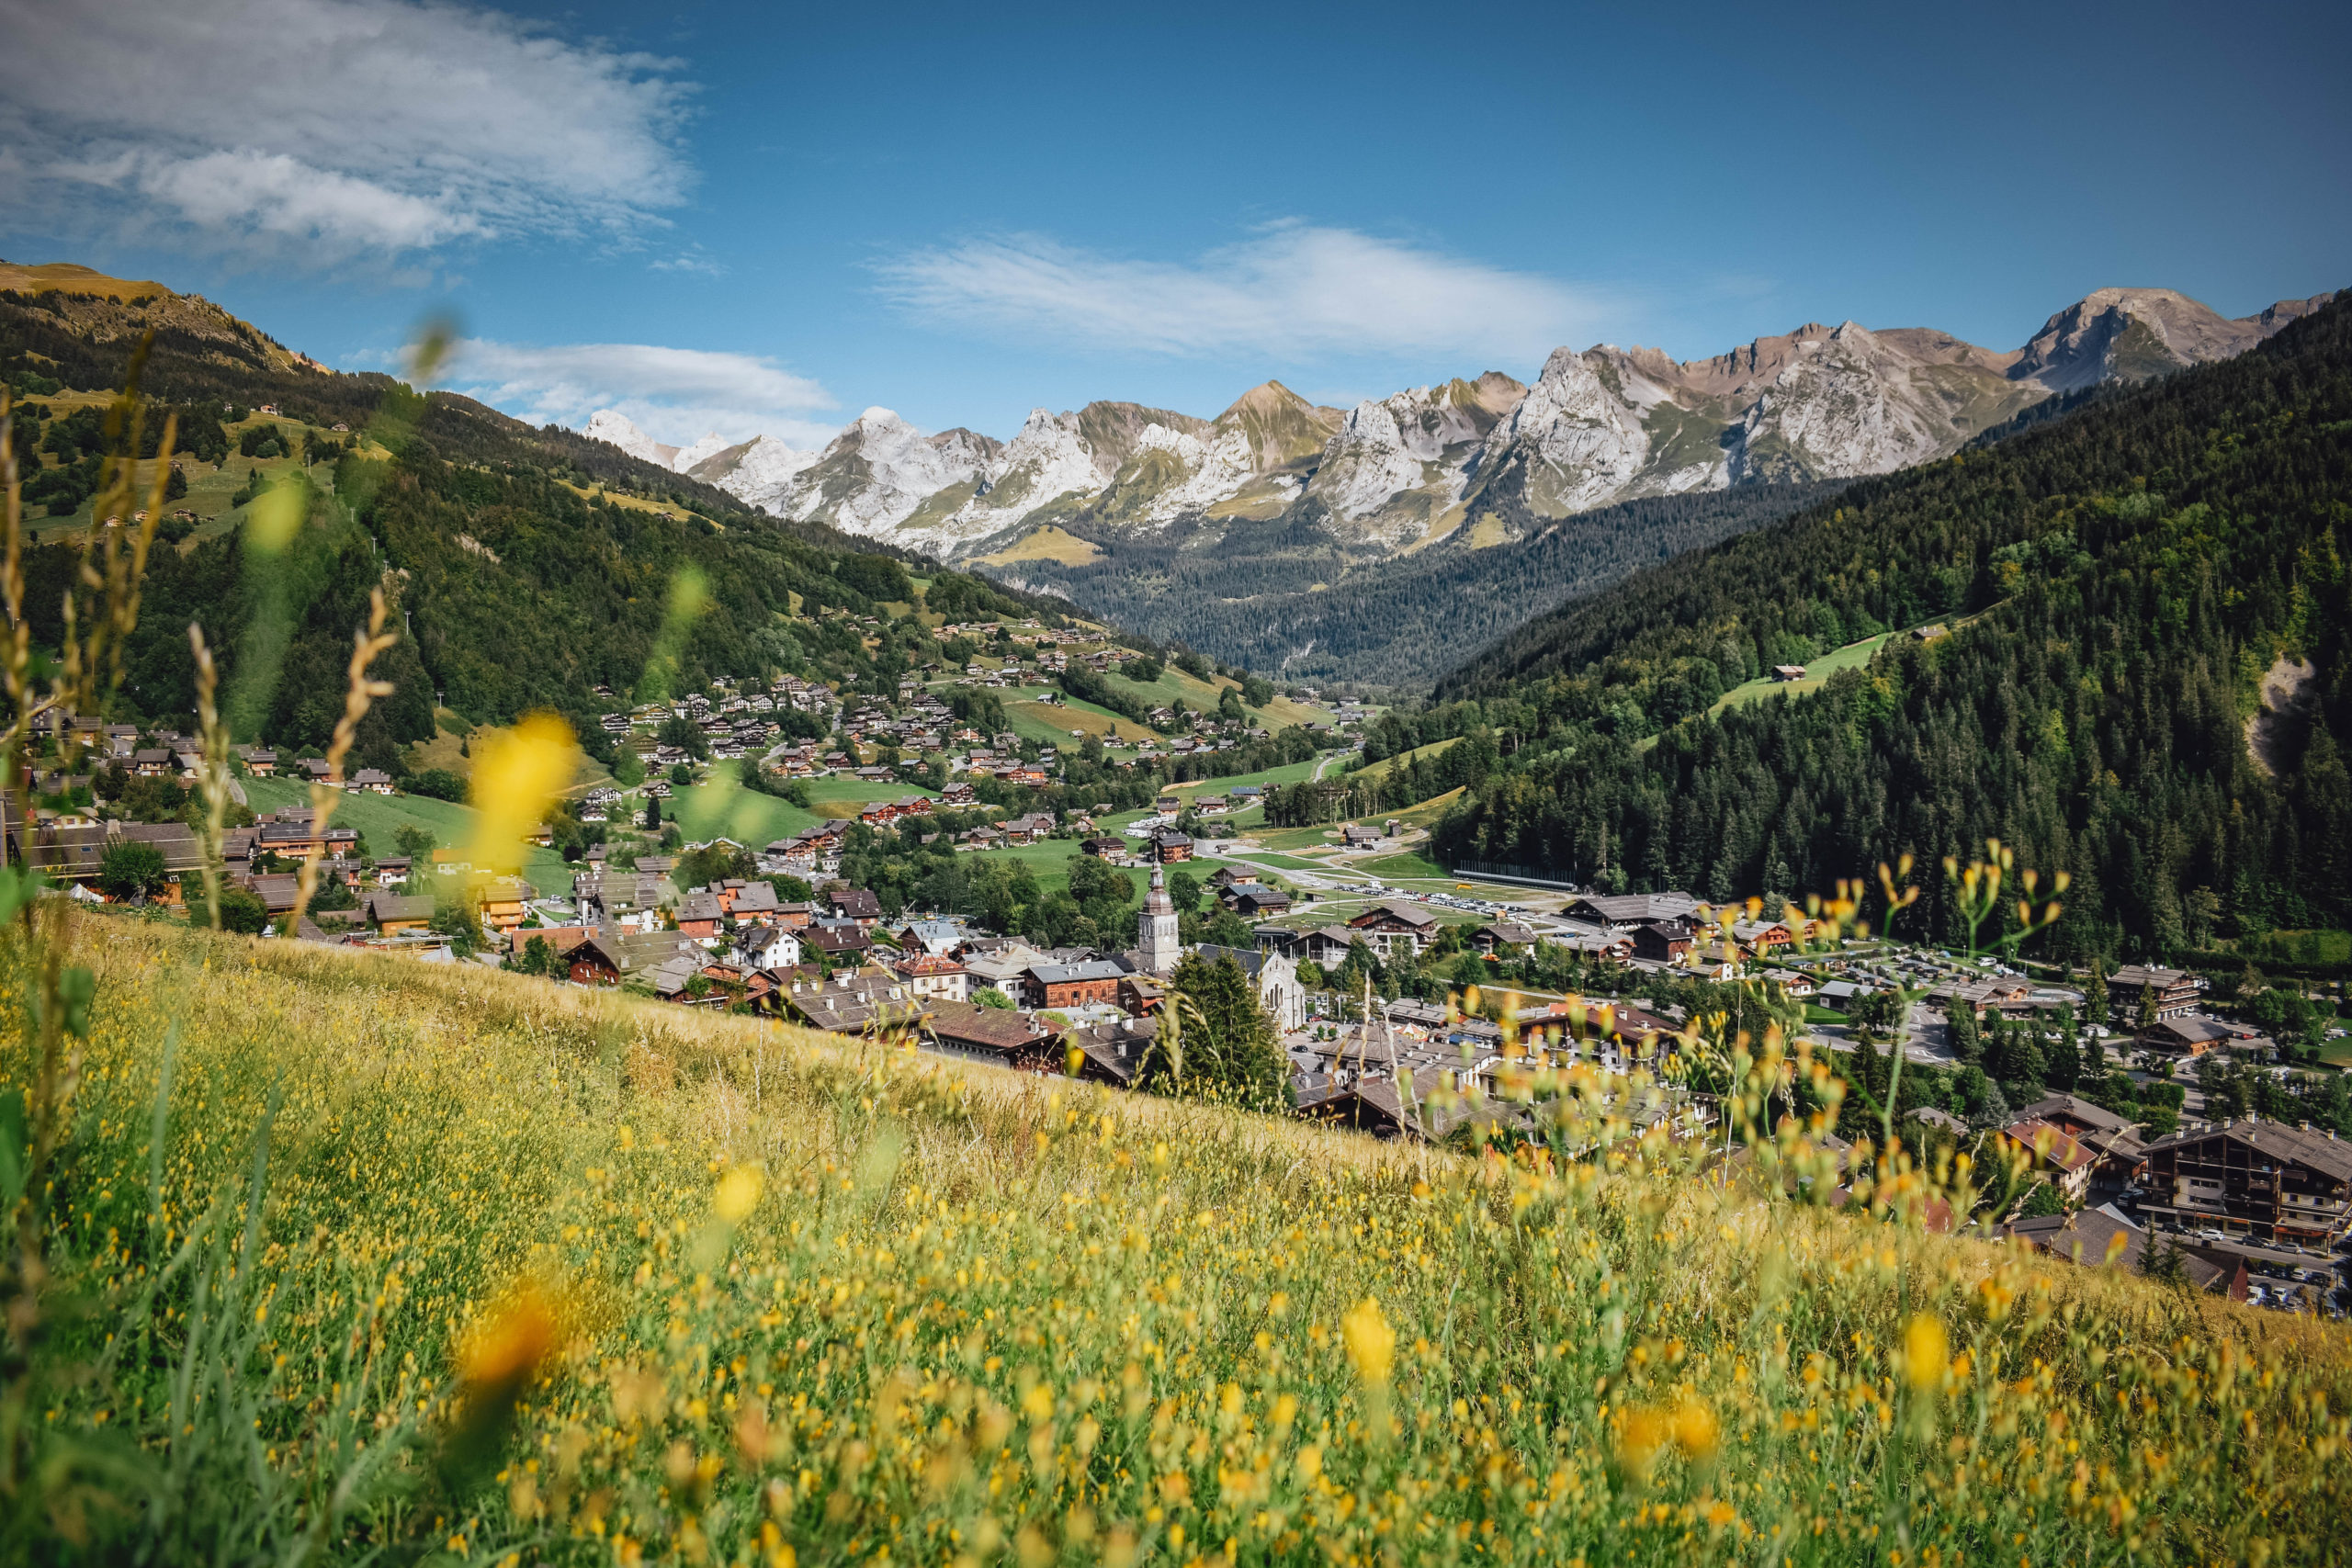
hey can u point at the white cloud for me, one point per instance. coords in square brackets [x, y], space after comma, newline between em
[1293, 291]
[329, 130]
[673, 394]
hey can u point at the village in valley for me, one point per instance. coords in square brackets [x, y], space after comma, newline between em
[971, 859]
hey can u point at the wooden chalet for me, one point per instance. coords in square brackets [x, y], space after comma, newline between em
[2254, 1177]
[2176, 991]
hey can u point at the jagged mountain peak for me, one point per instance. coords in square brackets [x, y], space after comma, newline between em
[605, 424]
[1266, 400]
[1282, 430]
[2130, 334]
[1111, 431]
[707, 458]
[1823, 400]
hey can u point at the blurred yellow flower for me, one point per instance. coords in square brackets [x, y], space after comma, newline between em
[738, 1194]
[518, 774]
[1645, 1431]
[1925, 1352]
[1695, 1430]
[512, 1340]
[274, 515]
[1372, 1344]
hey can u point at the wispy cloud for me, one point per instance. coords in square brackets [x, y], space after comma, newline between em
[673, 394]
[329, 130]
[1293, 291]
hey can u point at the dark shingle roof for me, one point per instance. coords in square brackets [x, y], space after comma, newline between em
[998, 1029]
[2330, 1157]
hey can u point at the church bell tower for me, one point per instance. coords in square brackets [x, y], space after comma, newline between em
[1155, 936]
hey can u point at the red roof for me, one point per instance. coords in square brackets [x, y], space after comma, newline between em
[2065, 1153]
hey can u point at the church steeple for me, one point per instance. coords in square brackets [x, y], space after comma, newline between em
[1156, 937]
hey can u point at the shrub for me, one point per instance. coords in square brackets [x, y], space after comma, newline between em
[132, 869]
[242, 911]
[436, 783]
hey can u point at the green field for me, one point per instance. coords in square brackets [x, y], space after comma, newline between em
[729, 810]
[1051, 723]
[1048, 863]
[1391, 866]
[1279, 861]
[841, 796]
[379, 818]
[2333, 946]
[1296, 838]
[209, 489]
[1288, 773]
[1386, 764]
[1174, 684]
[1853, 656]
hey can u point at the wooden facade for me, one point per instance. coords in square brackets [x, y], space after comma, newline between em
[2254, 1177]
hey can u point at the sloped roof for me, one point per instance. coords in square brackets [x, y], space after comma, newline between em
[1411, 914]
[395, 906]
[995, 1029]
[2081, 1110]
[2066, 1151]
[1068, 973]
[856, 903]
[2330, 1157]
[2084, 1238]
[1249, 959]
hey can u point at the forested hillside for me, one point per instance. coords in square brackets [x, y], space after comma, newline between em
[1294, 603]
[525, 566]
[2116, 584]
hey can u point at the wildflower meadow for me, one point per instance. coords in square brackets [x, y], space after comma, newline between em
[352, 1258]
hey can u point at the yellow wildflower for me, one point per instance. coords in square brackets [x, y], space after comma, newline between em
[1372, 1344]
[738, 1194]
[1925, 1352]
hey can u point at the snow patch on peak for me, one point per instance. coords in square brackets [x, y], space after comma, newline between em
[605, 424]
[757, 473]
[877, 471]
[710, 445]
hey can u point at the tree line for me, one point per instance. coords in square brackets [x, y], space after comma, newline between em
[2116, 584]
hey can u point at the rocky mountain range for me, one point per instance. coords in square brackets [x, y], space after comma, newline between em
[1486, 459]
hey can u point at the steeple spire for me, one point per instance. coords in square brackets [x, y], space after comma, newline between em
[1156, 931]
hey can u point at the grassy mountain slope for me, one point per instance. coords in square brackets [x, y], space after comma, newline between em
[526, 565]
[2130, 572]
[758, 1292]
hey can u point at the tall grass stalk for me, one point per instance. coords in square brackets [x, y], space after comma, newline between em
[781, 1293]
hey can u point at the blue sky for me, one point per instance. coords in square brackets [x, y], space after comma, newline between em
[768, 218]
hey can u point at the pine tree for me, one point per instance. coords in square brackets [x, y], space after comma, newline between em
[1231, 1048]
[2064, 1071]
[1967, 1045]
